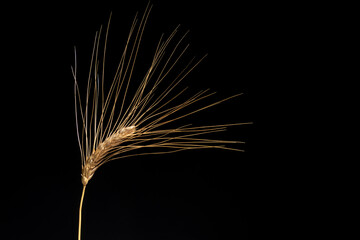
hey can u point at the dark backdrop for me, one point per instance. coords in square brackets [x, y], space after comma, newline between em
[204, 194]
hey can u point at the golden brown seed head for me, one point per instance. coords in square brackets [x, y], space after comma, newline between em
[98, 155]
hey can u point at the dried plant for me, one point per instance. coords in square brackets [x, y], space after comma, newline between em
[111, 124]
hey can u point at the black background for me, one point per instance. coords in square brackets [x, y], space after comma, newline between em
[205, 194]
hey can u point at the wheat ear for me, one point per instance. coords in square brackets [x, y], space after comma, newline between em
[111, 125]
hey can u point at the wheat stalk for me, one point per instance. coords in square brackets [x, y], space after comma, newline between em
[111, 125]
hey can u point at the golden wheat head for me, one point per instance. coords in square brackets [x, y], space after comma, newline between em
[112, 123]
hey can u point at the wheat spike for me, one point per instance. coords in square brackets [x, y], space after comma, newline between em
[113, 123]
[93, 161]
